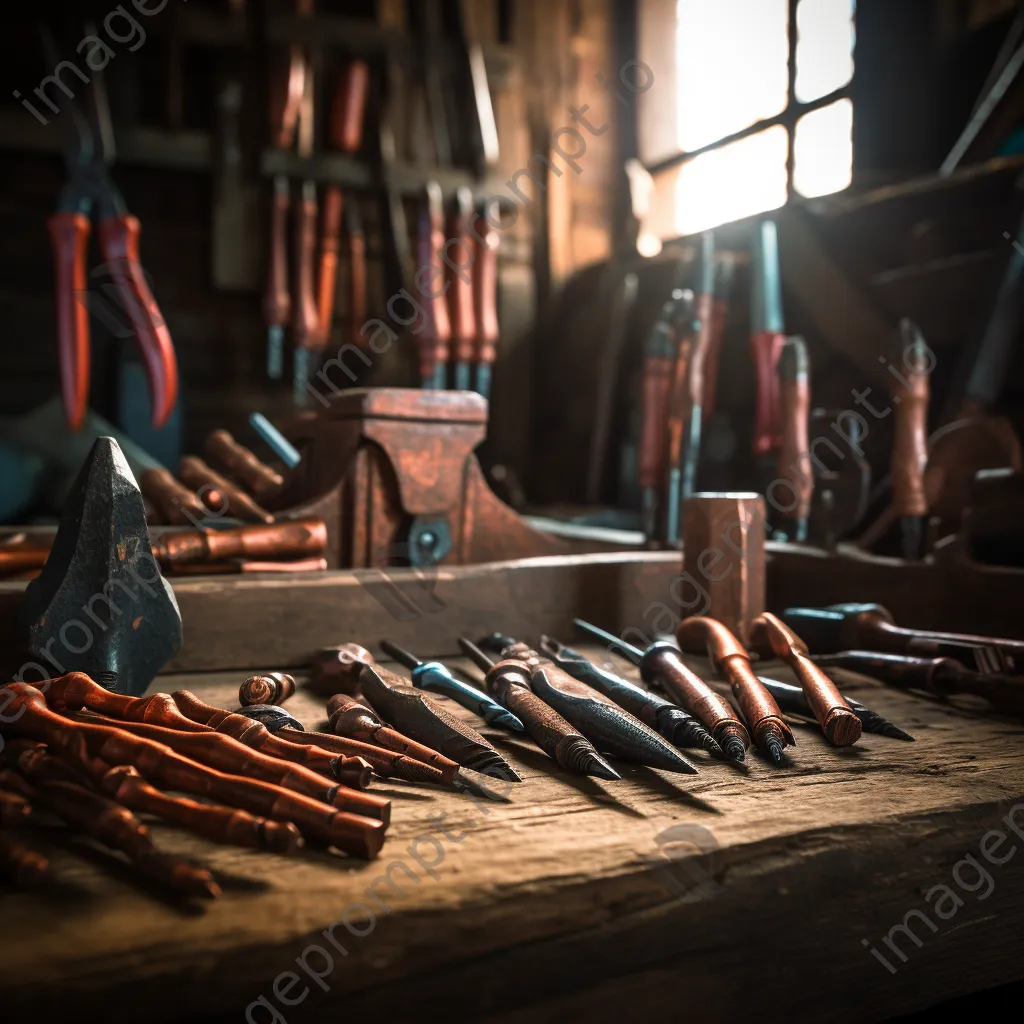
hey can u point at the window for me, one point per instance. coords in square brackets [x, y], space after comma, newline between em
[750, 105]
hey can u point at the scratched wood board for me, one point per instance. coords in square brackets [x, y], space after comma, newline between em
[574, 900]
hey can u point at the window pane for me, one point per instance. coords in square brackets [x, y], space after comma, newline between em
[824, 51]
[736, 181]
[823, 150]
[731, 60]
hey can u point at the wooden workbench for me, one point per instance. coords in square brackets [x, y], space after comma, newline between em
[572, 901]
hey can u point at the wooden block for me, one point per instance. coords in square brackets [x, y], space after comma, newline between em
[724, 559]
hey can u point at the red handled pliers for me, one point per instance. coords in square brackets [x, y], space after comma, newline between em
[89, 190]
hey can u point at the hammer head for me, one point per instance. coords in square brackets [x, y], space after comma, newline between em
[101, 605]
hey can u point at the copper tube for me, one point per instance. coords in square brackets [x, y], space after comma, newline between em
[177, 503]
[225, 754]
[235, 502]
[350, 833]
[21, 864]
[215, 822]
[234, 568]
[839, 722]
[700, 635]
[22, 558]
[268, 688]
[14, 809]
[243, 465]
[355, 721]
[302, 538]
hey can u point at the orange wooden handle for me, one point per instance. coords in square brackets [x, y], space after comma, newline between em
[347, 111]
[327, 279]
[119, 241]
[69, 235]
[306, 319]
[765, 349]
[485, 293]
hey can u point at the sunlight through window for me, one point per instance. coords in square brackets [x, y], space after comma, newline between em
[824, 50]
[823, 150]
[738, 180]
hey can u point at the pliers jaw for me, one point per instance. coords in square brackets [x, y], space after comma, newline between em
[89, 190]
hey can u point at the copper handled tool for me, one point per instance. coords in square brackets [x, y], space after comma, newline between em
[842, 627]
[384, 762]
[432, 675]
[355, 239]
[700, 635]
[793, 701]
[173, 499]
[767, 336]
[288, 84]
[434, 341]
[679, 727]
[462, 309]
[659, 352]
[606, 724]
[242, 465]
[415, 714]
[356, 721]
[21, 864]
[346, 135]
[910, 395]
[770, 636]
[485, 302]
[662, 665]
[316, 820]
[794, 465]
[268, 688]
[112, 824]
[678, 408]
[300, 538]
[234, 501]
[510, 682]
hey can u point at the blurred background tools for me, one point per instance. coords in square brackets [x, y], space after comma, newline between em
[90, 192]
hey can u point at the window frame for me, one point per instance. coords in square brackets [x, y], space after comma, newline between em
[787, 117]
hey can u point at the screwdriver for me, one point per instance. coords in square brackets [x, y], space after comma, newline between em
[679, 727]
[662, 665]
[767, 336]
[510, 681]
[485, 302]
[794, 466]
[434, 341]
[433, 676]
[606, 724]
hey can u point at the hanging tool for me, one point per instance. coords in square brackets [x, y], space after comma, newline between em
[510, 681]
[433, 676]
[275, 440]
[870, 627]
[308, 335]
[725, 268]
[770, 636]
[461, 303]
[794, 466]
[662, 665]
[767, 336]
[287, 87]
[345, 133]
[910, 394]
[434, 340]
[485, 300]
[684, 328]
[656, 385]
[607, 725]
[679, 727]
[89, 190]
[701, 635]
[102, 550]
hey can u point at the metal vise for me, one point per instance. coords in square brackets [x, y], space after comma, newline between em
[393, 474]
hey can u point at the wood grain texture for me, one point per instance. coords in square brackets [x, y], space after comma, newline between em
[566, 890]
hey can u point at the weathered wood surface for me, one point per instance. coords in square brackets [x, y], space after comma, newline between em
[563, 905]
[249, 622]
